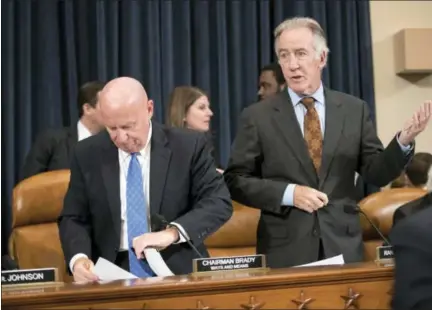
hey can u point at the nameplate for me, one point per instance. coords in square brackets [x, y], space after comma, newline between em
[229, 263]
[385, 253]
[29, 276]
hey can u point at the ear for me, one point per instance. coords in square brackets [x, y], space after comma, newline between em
[282, 87]
[322, 60]
[87, 109]
[150, 108]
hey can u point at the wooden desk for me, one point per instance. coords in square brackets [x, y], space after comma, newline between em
[337, 287]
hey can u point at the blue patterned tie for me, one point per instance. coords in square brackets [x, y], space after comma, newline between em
[136, 216]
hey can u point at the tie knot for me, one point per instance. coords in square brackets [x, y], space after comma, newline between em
[134, 155]
[308, 102]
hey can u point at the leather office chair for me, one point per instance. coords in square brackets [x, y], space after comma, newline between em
[37, 202]
[237, 236]
[380, 208]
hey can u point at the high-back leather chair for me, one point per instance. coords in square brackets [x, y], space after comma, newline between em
[380, 208]
[237, 236]
[37, 202]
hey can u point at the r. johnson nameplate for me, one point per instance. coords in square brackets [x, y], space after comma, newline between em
[229, 263]
[29, 276]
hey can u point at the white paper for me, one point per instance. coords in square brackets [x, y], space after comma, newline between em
[107, 271]
[156, 263]
[335, 260]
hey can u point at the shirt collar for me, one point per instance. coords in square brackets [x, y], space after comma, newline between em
[318, 96]
[82, 131]
[145, 149]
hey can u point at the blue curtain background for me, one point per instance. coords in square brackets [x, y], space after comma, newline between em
[51, 47]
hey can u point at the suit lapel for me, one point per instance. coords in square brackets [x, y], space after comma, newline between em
[111, 179]
[287, 122]
[334, 120]
[160, 157]
[72, 140]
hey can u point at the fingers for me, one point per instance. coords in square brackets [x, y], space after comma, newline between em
[323, 197]
[83, 272]
[139, 244]
[309, 199]
[428, 109]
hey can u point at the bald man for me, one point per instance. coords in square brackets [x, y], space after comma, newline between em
[124, 177]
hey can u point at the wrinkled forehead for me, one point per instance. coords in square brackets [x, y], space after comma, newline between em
[295, 39]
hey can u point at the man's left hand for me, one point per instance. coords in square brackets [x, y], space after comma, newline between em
[158, 240]
[416, 124]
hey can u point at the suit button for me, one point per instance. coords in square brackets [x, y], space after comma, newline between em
[315, 232]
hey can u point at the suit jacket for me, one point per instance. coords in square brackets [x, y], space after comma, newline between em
[363, 189]
[269, 152]
[412, 246]
[51, 150]
[412, 207]
[184, 187]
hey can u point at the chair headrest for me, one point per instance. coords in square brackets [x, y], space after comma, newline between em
[381, 206]
[239, 231]
[39, 199]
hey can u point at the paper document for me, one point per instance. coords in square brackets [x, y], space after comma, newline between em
[156, 263]
[107, 271]
[335, 260]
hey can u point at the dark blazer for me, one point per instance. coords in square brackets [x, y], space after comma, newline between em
[184, 187]
[270, 152]
[51, 150]
[363, 189]
[412, 246]
[412, 207]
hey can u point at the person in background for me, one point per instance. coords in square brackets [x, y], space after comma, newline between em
[52, 148]
[415, 173]
[412, 247]
[189, 107]
[271, 81]
[296, 153]
[419, 174]
[417, 170]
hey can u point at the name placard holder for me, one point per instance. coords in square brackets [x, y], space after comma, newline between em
[385, 256]
[231, 263]
[13, 278]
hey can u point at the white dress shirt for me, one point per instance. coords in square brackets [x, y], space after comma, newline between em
[83, 132]
[144, 161]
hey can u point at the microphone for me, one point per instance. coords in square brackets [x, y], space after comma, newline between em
[7, 263]
[160, 223]
[355, 210]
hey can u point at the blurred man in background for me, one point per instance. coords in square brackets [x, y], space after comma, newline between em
[271, 81]
[52, 148]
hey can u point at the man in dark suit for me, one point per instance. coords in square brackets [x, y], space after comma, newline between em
[121, 179]
[295, 156]
[52, 148]
[412, 246]
[412, 207]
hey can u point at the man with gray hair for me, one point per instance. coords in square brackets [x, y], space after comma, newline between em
[296, 153]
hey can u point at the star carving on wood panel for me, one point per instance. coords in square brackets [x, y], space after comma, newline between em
[201, 306]
[302, 302]
[351, 300]
[252, 305]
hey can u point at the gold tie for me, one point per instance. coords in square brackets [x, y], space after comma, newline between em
[312, 132]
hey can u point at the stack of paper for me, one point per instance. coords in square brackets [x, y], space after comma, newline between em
[335, 260]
